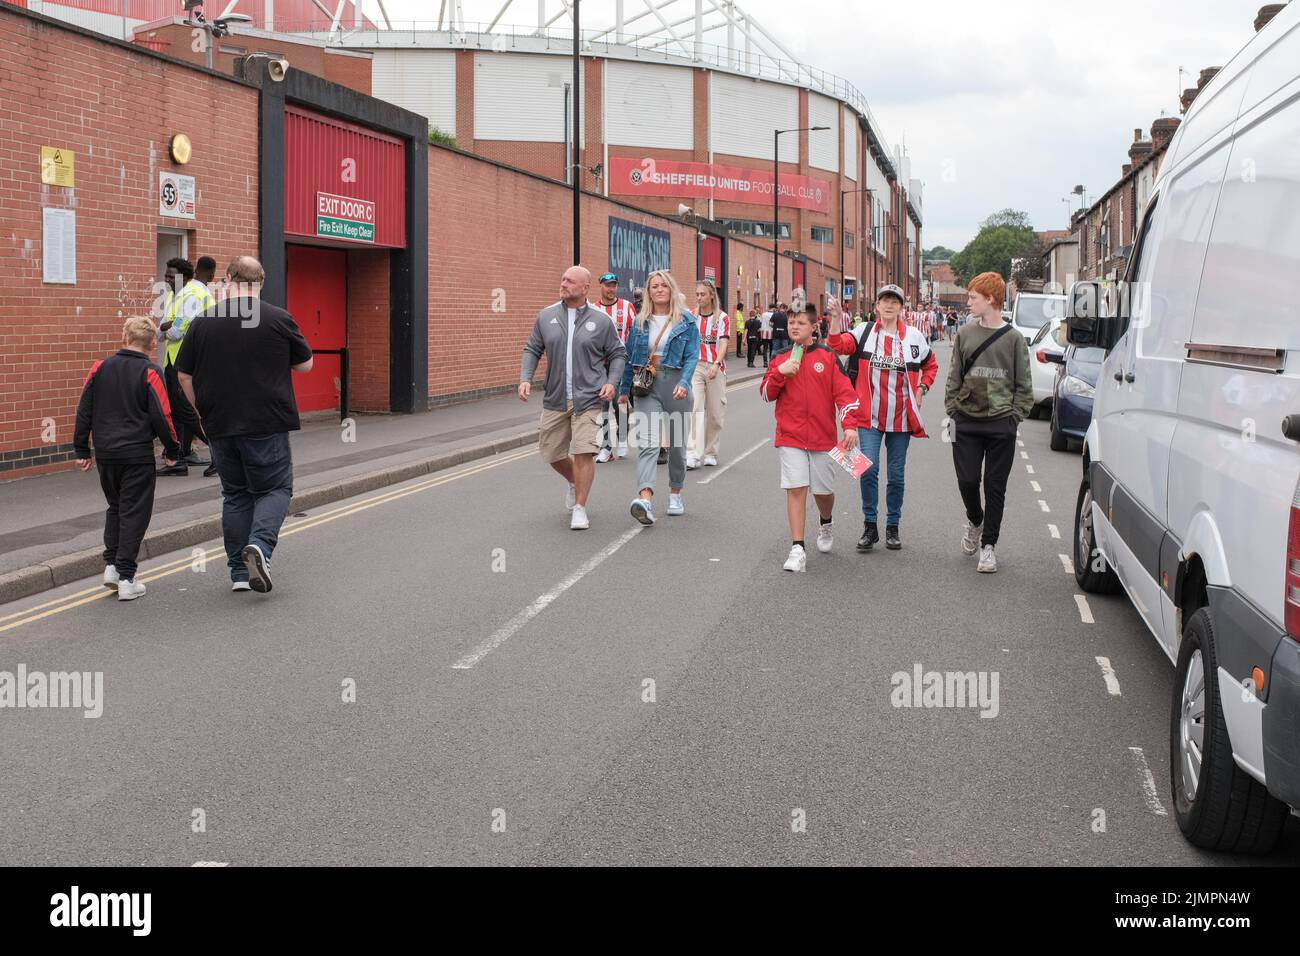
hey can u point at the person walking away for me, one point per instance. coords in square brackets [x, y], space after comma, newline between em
[765, 335]
[989, 393]
[584, 360]
[893, 368]
[123, 408]
[621, 312]
[780, 329]
[753, 337]
[235, 367]
[813, 398]
[664, 347]
[709, 383]
[190, 298]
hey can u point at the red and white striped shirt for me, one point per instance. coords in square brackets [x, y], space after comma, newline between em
[892, 369]
[714, 328]
[621, 313]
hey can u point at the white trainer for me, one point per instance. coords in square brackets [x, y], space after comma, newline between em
[240, 586]
[988, 561]
[110, 577]
[622, 449]
[692, 464]
[970, 543]
[675, 505]
[710, 461]
[579, 520]
[643, 511]
[825, 539]
[129, 590]
[571, 498]
[798, 560]
[604, 456]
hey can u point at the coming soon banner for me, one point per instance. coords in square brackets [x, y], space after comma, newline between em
[662, 177]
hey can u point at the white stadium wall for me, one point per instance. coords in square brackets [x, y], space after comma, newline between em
[520, 97]
[824, 147]
[743, 113]
[647, 104]
[422, 81]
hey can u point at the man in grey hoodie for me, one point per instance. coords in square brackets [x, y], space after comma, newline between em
[585, 362]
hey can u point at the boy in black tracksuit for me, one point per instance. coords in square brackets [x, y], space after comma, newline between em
[124, 405]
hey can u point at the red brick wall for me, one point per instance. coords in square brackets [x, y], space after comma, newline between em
[347, 70]
[499, 241]
[116, 110]
[368, 276]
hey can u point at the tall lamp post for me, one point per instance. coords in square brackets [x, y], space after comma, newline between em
[776, 197]
[576, 168]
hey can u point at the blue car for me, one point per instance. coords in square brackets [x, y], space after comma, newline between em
[1072, 394]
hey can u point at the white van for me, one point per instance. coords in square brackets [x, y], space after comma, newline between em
[1190, 497]
[1032, 309]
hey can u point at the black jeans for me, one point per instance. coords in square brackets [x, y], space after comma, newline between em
[988, 445]
[752, 347]
[184, 417]
[129, 492]
[256, 485]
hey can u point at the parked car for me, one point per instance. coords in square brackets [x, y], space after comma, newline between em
[1049, 341]
[1032, 309]
[1190, 496]
[1072, 394]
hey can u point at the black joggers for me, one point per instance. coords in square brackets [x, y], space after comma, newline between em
[184, 417]
[987, 445]
[129, 492]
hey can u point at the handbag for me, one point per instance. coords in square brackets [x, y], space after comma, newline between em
[643, 378]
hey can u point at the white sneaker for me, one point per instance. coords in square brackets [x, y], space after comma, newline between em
[710, 461]
[604, 456]
[970, 543]
[622, 449]
[675, 505]
[798, 560]
[825, 538]
[692, 464]
[988, 562]
[571, 498]
[110, 577]
[129, 590]
[579, 520]
[240, 586]
[643, 511]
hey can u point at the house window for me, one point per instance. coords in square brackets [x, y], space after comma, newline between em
[823, 234]
[759, 228]
[848, 239]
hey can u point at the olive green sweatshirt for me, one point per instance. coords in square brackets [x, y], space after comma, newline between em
[998, 384]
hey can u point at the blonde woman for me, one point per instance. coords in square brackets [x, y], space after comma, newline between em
[665, 338]
[709, 384]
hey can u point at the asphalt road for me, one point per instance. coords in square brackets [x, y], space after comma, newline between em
[503, 713]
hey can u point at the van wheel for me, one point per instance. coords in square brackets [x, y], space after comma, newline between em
[1091, 571]
[1057, 441]
[1218, 805]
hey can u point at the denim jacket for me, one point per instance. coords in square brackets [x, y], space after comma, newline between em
[681, 349]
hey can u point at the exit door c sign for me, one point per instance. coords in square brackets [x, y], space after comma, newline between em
[343, 217]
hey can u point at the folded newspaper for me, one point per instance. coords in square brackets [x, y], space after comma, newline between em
[854, 462]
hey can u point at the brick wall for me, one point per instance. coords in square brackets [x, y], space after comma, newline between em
[499, 241]
[116, 110]
[368, 278]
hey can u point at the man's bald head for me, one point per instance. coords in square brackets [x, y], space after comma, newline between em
[574, 285]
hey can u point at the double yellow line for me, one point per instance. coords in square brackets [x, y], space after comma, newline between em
[98, 593]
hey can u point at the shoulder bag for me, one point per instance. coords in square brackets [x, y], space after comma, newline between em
[643, 378]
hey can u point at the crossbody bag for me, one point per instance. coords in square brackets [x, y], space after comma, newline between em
[643, 378]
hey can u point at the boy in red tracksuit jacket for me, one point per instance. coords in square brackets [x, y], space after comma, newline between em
[124, 406]
[813, 396]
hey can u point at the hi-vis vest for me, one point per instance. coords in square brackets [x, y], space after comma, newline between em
[193, 290]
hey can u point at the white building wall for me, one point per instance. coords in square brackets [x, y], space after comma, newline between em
[824, 147]
[744, 112]
[649, 105]
[520, 97]
[422, 81]
[851, 144]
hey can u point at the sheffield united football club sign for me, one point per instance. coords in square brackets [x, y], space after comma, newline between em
[662, 177]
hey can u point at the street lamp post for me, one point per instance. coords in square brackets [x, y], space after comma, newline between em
[776, 197]
[575, 169]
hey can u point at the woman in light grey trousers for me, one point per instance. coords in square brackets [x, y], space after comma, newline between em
[666, 335]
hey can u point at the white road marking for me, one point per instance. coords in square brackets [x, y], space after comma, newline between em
[735, 461]
[1029, 468]
[1108, 674]
[537, 607]
[1020, 443]
[714, 560]
[1043, 504]
[1036, 486]
[208, 863]
[1085, 612]
[1066, 563]
[1024, 454]
[1054, 531]
[1148, 783]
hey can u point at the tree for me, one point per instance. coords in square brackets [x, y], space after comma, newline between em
[1003, 236]
[937, 254]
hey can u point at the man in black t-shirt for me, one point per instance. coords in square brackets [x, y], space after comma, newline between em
[780, 329]
[234, 367]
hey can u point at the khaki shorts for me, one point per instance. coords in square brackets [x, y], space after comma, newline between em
[568, 433]
[803, 469]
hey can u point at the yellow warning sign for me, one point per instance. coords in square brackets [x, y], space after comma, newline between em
[57, 166]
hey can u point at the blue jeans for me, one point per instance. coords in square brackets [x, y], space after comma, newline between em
[869, 439]
[256, 484]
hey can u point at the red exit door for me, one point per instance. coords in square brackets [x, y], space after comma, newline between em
[317, 284]
[800, 275]
[711, 259]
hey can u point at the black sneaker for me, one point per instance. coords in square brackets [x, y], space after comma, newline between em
[259, 569]
[210, 471]
[870, 537]
[178, 470]
[663, 456]
[892, 541]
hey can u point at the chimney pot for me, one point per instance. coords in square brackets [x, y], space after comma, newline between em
[1206, 75]
[1266, 14]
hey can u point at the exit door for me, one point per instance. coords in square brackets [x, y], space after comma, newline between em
[711, 259]
[317, 298]
[800, 275]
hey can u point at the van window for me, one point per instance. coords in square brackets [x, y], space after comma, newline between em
[1254, 258]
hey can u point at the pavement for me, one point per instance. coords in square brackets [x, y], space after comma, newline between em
[444, 673]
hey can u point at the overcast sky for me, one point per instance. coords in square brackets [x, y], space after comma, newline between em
[1000, 104]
